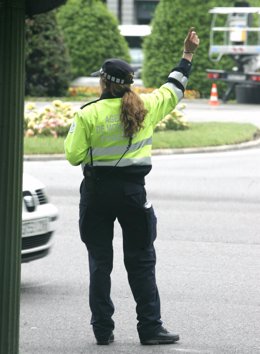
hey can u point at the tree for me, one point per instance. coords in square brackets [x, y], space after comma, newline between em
[92, 35]
[163, 48]
[47, 61]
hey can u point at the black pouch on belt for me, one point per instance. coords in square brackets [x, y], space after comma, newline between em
[151, 224]
[90, 176]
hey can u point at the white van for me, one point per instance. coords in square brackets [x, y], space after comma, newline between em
[134, 35]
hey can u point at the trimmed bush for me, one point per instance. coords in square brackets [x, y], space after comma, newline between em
[92, 35]
[46, 58]
[163, 48]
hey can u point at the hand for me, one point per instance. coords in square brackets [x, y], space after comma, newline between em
[191, 42]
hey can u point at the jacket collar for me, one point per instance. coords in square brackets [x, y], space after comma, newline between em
[106, 95]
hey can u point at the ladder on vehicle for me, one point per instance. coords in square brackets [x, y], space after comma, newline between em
[234, 31]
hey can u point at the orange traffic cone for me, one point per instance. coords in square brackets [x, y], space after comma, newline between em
[213, 101]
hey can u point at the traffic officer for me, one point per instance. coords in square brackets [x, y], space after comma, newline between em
[112, 139]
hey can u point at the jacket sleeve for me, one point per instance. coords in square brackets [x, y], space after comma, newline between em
[77, 142]
[162, 101]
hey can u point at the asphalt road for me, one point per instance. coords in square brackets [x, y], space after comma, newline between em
[208, 261]
[201, 110]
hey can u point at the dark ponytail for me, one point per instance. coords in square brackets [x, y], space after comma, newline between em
[133, 111]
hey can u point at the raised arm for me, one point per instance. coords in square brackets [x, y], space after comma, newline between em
[164, 100]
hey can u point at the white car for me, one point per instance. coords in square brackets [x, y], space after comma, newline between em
[38, 220]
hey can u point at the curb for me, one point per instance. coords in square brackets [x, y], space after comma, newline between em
[156, 152]
[44, 157]
[241, 146]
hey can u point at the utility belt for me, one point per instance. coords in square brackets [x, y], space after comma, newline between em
[90, 172]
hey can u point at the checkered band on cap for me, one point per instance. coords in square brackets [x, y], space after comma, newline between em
[111, 78]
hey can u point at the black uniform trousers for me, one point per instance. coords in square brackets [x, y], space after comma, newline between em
[100, 204]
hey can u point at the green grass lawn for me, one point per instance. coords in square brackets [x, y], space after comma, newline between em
[205, 134]
[43, 145]
[198, 135]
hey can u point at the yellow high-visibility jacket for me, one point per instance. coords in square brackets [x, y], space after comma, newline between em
[98, 126]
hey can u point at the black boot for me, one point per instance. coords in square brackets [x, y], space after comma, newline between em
[106, 341]
[161, 337]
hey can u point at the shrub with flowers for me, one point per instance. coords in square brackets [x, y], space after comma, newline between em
[56, 118]
[53, 119]
[174, 120]
[191, 94]
[84, 91]
[90, 91]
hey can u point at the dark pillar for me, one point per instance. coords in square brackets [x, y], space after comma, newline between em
[11, 162]
[119, 11]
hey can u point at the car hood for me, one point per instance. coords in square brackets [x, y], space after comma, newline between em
[31, 183]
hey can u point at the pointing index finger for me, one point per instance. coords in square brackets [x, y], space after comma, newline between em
[190, 31]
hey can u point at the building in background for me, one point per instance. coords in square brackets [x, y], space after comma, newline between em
[134, 17]
[135, 12]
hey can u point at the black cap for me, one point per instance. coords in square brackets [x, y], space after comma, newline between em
[116, 70]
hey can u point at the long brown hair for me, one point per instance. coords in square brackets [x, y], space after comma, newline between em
[133, 111]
